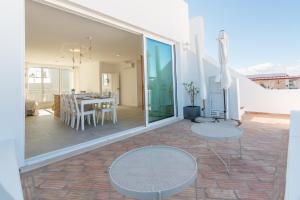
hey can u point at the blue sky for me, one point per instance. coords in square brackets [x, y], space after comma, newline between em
[264, 34]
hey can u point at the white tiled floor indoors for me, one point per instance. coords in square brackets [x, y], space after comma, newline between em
[45, 133]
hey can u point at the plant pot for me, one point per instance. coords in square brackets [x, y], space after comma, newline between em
[191, 112]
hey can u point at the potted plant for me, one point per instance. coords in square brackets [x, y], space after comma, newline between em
[192, 111]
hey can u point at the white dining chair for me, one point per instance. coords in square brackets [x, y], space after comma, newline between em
[62, 108]
[88, 113]
[66, 109]
[69, 110]
[110, 110]
[72, 111]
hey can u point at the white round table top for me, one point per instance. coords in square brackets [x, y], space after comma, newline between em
[148, 172]
[217, 131]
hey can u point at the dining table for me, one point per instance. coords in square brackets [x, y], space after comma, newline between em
[82, 101]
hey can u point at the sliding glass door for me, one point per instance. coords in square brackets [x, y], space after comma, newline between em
[43, 83]
[159, 80]
[67, 81]
[34, 84]
[51, 84]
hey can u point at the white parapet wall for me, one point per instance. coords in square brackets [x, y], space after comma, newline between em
[246, 95]
[254, 98]
[292, 191]
[258, 99]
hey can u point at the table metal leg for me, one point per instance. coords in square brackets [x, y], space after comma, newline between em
[159, 196]
[228, 159]
[196, 185]
[109, 194]
[240, 141]
[227, 167]
[82, 116]
[196, 181]
[228, 163]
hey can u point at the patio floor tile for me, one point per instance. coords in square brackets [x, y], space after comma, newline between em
[260, 174]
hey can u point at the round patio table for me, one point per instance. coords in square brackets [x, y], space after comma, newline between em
[219, 131]
[153, 172]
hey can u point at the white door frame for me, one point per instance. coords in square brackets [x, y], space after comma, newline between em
[146, 91]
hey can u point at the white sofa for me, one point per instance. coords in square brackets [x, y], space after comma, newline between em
[30, 107]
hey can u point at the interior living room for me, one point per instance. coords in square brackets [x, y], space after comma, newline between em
[83, 80]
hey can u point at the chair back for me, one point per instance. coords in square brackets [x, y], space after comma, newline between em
[66, 105]
[114, 96]
[76, 104]
[72, 102]
[62, 102]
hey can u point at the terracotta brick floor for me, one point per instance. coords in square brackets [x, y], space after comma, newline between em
[260, 174]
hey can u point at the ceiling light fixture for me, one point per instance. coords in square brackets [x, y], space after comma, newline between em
[75, 50]
[73, 58]
[79, 53]
[90, 47]
[118, 55]
[80, 56]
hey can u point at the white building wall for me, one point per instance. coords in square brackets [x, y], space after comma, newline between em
[193, 72]
[166, 18]
[129, 93]
[182, 74]
[89, 77]
[9, 172]
[12, 104]
[12, 73]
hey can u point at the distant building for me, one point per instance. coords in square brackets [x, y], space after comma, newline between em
[276, 81]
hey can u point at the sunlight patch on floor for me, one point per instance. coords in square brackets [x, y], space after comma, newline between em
[45, 112]
[270, 120]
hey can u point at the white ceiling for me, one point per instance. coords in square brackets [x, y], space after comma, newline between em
[51, 33]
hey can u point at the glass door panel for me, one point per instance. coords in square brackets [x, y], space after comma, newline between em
[67, 81]
[50, 84]
[34, 90]
[160, 80]
[43, 83]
